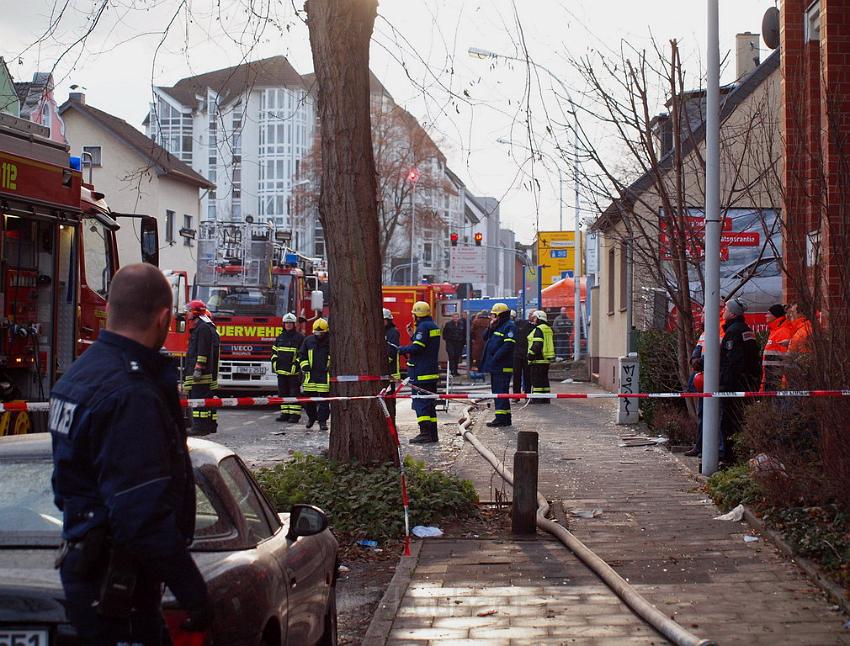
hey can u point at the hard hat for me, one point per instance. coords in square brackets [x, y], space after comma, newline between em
[320, 325]
[387, 314]
[289, 317]
[197, 306]
[540, 315]
[499, 308]
[699, 382]
[513, 314]
[421, 308]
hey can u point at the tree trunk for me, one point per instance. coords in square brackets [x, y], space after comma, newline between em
[340, 34]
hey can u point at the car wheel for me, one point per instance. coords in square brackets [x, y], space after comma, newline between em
[329, 636]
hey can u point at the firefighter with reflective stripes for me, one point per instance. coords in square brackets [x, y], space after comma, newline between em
[201, 366]
[315, 361]
[285, 366]
[541, 353]
[393, 338]
[500, 341]
[775, 350]
[423, 370]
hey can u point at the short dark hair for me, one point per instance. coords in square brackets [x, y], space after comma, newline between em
[137, 295]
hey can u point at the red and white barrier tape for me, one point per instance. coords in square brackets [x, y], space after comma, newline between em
[248, 402]
[347, 378]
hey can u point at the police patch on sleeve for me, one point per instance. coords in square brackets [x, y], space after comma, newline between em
[510, 335]
[60, 415]
[748, 336]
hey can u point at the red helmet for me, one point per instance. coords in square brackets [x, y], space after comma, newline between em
[699, 382]
[196, 306]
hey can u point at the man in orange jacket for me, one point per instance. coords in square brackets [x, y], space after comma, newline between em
[773, 358]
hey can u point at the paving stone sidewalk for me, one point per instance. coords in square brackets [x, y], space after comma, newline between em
[655, 528]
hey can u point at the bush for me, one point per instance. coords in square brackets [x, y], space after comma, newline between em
[659, 371]
[732, 487]
[671, 419]
[365, 502]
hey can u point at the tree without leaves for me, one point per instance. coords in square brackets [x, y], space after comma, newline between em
[340, 34]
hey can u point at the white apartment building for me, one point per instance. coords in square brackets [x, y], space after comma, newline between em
[246, 129]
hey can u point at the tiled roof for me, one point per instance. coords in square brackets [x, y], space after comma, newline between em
[159, 157]
[235, 81]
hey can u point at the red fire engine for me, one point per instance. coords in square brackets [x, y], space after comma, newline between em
[399, 299]
[58, 254]
[249, 279]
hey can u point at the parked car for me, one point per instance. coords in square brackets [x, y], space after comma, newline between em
[271, 576]
[761, 291]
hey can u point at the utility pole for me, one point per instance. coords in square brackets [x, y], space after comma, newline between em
[711, 406]
[413, 177]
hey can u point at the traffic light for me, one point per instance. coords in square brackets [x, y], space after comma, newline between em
[453, 238]
[478, 238]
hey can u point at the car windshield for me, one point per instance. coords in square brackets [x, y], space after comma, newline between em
[249, 301]
[29, 517]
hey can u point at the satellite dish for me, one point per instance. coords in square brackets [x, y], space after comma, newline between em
[770, 28]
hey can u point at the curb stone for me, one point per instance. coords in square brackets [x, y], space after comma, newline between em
[382, 621]
[833, 591]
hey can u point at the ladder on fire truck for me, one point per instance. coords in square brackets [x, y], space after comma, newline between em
[237, 254]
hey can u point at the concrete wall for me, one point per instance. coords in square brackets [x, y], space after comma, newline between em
[132, 186]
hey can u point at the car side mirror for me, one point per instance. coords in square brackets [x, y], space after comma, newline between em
[306, 520]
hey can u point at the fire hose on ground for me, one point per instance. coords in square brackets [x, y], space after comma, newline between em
[619, 586]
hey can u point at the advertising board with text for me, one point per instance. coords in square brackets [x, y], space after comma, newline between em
[555, 255]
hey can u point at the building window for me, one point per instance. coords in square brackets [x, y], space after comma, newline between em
[427, 253]
[624, 275]
[95, 159]
[812, 248]
[171, 128]
[812, 25]
[611, 283]
[318, 240]
[169, 226]
[187, 224]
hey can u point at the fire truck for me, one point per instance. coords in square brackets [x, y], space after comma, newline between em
[249, 279]
[58, 254]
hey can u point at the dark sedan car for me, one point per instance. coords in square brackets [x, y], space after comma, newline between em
[271, 577]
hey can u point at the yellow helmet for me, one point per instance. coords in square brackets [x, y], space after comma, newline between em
[421, 308]
[320, 325]
[499, 308]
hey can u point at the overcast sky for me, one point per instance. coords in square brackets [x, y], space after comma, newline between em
[419, 53]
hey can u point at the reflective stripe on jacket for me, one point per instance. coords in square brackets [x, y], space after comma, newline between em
[315, 361]
[499, 348]
[285, 352]
[541, 344]
[393, 338]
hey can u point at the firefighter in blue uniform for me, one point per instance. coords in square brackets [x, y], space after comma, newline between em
[500, 342]
[285, 366]
[423, 370]
[122, 475]
[201, 367]
[393, 339]
[315, 360]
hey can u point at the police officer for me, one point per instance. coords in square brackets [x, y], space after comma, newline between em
[423, 371]
[201, 366]
[541, 352]
[285, 365]
[393, 338]
[315, 361]
[740, 369]
[122, 475]
[500, 341]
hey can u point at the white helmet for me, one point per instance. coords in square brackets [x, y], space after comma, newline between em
[387, 314]
[289, 317]
[540, 315]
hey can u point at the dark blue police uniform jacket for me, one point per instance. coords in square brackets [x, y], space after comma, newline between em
[120, 459]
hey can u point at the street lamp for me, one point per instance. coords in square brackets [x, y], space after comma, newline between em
[477, 52]
[413, 177]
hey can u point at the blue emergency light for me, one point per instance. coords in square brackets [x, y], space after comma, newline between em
[76, 163]
[291, 259]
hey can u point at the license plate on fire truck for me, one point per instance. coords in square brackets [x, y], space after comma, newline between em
[23, 637]
[246, 370]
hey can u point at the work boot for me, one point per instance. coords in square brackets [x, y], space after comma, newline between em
[294, 418]
[282, 418]
[497, 422]
[310, 422]
[693, 452]
[323, 426]
[424, 438]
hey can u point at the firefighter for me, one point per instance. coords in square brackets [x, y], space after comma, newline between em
[522, 372]
[315, 361]
[285, 365]
[500, 341]
[541, 352]
[773, 357]
[393, 338]
[423, 371]
[122, 475]
[201, 366]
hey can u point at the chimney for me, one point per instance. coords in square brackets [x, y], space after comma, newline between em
[746, 54]
[77, 97]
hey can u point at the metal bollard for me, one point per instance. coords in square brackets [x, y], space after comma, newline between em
[524, 509]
